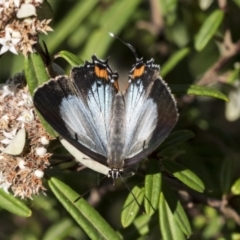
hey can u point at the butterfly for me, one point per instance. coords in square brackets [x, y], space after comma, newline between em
[114, 128]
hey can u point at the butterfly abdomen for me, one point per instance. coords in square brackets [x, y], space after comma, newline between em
[117, 134]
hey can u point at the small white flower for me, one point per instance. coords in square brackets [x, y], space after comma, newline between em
[8, 90]
[39, 173]
[27, 100]
[4, 184]
[21, 163]
[8, 43]
[17, 3]
[5, 92]
[6, 141]
[44, 141]
[9, 136]
[13, 33]
[26, 116]
[41, 151]
[5, 118]
[5, 3]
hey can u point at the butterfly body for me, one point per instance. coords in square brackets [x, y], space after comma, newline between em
[117, 134]
[115, 128]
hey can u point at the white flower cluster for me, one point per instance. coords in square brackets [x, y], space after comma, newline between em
[20, 26]
[23, 141]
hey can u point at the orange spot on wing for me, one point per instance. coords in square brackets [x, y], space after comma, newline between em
[101, 72]
[138, 71]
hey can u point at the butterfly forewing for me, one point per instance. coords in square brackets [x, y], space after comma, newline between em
[151, 112]
[79, 108]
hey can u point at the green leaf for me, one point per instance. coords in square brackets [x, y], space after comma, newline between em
[237, 2]
[236, 187]
[168, 10]
[140, 226]
[168, 225]
[36, 75]
[73, 19]
[35, 71]
[233, 76]
[185, 175]
[47, 127]
[226, 175]
[208, 29]
[72, 59]
[152, 187]
[174, 60]
[60, 230]
[131, 206]
[177, 209]
[124, 10]
[176, 138]
[84, 214]
[14, 205]
[198, 90]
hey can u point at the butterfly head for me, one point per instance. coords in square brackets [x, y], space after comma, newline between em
[115, 173]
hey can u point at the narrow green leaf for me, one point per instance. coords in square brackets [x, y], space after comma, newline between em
[14, 205]
[100, 36]
[198, 90]
[36, 75]
[169, 227]
[226, 175]
[142, 224]
[84, 214]
[208, 29]
[152, 187]
[35, 71]
[74, 18]
[185, 175]
[174, 60]
[131, 207]
[72, 59]
[47, 127]
[139, 227]
[177, 209]
[177, 137]
[60, 230]
[236, 187]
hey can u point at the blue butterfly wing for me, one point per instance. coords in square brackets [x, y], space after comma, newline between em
[151, 112]
[79, 107]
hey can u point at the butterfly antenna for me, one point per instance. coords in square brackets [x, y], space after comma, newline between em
[131, 192]
[133, 50]
[80, 196]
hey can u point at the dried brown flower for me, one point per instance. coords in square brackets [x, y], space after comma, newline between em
[21, 173]
[20, 26]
